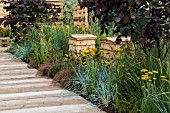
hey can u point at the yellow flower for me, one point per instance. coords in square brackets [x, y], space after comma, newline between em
[65, 59]
[117, 49]
[144, 70]
[42, 29]
[59, 28]
[94, 49]
[93, 53]
[66, 55]
[146, 73]
[52, 25]
[162, 77]
[84, 63]
[86, 51]
[150, 73]
[82, 53]
[107, 62]
[83, 28]
[67, 27]
[154, 78]
[150, 80]
[145, 77]
[155, 72]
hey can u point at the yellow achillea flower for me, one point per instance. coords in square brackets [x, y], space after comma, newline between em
[150, 80]
[84, 63]
[42, 29]
[146, 73]
[67, 27]
[86, 51]
[123, 65]
[65, 59]
[144, 70]
[145, 77]
[162, 77]
[117, 49]
[82, 53]
[150, 73]
[66, 55]
[59, 28]
[155, 72]
[94, 49]
[83, 28]
[93, 52]
[154, 78]
[52, 25]
[107, 62]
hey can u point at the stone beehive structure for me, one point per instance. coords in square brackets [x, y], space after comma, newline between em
[108, 45]
[79, 42]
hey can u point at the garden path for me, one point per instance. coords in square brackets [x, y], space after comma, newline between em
[22, 92]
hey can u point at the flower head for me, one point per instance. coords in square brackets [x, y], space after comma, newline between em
[155, 72]
[145, 77]
[65, 59]
[67, 27]
[83, 28]
[59, 28]
[162, 77]
[66, 55]
[42, 29]
[144, 70]
[52, 25]
[93, 52]
[94, 49]
[117, 49]
[82, 53]
[150, 80]
[150, 73]
[107, 62]
[154, 78]
[84, 63]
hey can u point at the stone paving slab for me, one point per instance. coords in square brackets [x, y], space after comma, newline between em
[22, 92]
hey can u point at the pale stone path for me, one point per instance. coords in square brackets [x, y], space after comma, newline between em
[22, 92]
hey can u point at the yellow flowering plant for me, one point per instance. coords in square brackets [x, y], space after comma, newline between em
[88, 51]
[144, 70]
[52, 25]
